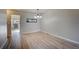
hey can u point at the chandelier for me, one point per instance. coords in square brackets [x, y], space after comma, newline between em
[37, 14]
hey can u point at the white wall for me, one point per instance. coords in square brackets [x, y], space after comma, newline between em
[3, 29]
[64, 24]
[29, 27]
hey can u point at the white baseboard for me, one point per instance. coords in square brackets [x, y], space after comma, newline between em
[31, 32]
[62, 37]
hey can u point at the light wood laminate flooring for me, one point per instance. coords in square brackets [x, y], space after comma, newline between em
[41, 40]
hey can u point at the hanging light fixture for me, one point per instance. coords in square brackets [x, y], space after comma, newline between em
[37, 15]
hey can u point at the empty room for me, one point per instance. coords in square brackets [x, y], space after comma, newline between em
[39, 28]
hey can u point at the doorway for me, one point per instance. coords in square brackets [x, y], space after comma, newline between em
[15, 30]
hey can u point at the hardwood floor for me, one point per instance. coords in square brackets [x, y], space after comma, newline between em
[40, 40]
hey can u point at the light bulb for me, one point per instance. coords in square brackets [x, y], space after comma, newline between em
[40, 16]
[35, 16]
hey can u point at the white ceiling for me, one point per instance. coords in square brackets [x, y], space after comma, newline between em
[34, 10]
[50, 10]
[43, 11]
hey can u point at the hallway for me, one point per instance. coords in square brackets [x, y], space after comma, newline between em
[41, 40]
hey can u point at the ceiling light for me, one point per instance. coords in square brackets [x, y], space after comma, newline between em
[37, 15]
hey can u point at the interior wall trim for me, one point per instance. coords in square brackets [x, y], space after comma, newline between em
[62, 38]
[31, 31]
